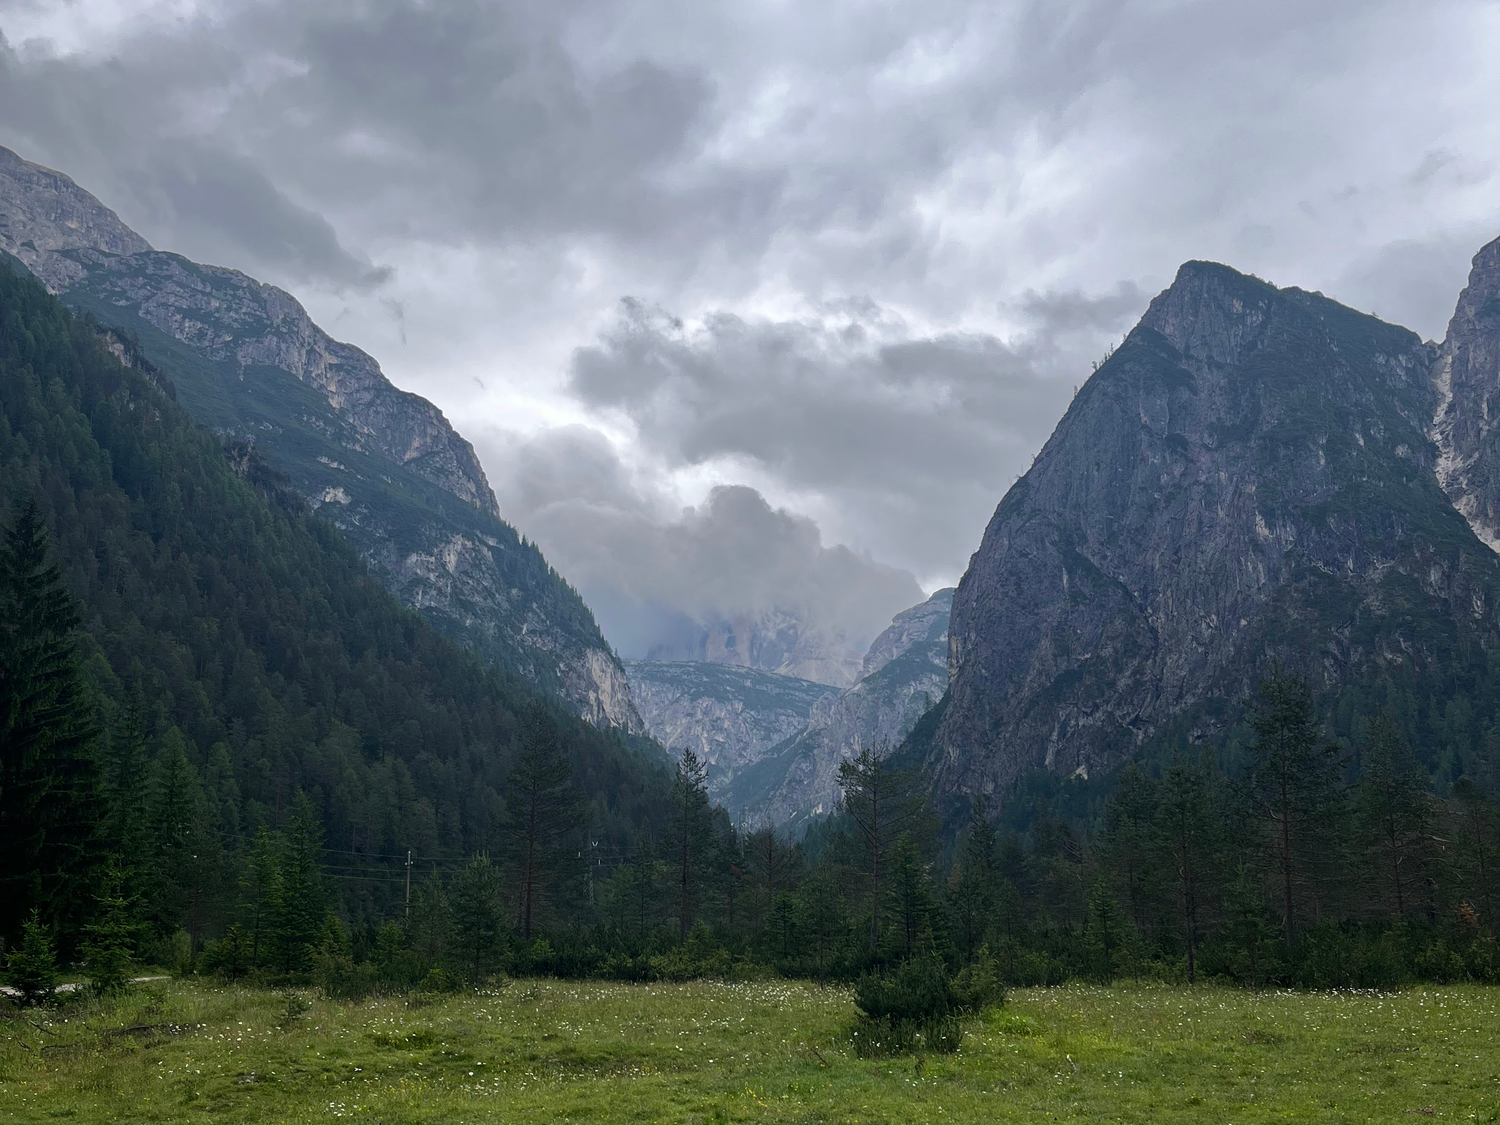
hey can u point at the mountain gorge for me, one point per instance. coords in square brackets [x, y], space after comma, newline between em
[1255, 475]
[382, 465]
[774, 743]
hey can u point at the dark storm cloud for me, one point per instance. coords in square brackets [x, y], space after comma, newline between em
[654, 574]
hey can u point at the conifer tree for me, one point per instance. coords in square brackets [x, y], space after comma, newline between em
[1185, 834]
[1395, 814]
[971, 887]
[128, 827]
[883, 803]
[910, 892]
[302, 911]
[690, 806]
[51, 800]
[1105, 934]
[474, 899]
[1130, 842]
[1476, 843]
[31, 968]
[542, 808]
[1293, 789]
[111, 936]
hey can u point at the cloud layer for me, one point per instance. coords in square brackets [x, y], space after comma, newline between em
[843, 262]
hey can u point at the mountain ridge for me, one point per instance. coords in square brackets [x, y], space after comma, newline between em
[366, 453]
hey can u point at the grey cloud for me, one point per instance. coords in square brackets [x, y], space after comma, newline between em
[655, 576]
[118, 136]
[909, 439]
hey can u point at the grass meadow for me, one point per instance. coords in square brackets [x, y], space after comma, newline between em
[549, 1052]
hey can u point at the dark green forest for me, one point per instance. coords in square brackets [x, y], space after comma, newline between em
[227, 750]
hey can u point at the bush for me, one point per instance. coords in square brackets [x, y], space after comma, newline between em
[914, 1007]
[978, 987]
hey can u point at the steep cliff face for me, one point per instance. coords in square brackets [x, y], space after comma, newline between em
[383, 465]
[905, 674]
[729, 716]
[1248, 477]
[1466, 425]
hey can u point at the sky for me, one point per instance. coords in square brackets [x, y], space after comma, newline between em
[767, 303]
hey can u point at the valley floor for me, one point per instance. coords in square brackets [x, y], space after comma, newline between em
[557, 1051]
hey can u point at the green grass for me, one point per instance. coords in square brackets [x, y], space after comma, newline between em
[554, 1051]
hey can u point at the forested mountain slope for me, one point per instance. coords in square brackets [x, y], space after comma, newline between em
[264, 655]
[381, 464]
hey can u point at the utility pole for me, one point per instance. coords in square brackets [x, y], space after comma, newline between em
[408, 884]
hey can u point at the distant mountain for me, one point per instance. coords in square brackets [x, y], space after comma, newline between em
[776, 640]
[904, 674]
[381, 464]
[1255, 475]
[774, 743]
[726, 714]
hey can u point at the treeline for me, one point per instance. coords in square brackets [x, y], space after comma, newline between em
[225, 749]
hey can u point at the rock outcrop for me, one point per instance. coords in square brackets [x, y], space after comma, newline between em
[905, 672]
[1466, 425]
[728, 715]
[382, 464]
[1249, 477]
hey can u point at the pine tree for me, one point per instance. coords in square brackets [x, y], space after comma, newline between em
[769, 860]
[31, 968]
[1477, 843]
[971, 886]
[260, 892]
[883, 803]
[1184, 829]
[1106, 934]
[128, 827]
[474, 899]
[1130, 841]
[542, 809]
[690, 805]
[910, 893]
[51, 801]
[431, 925]
[111, 936]
[1293, 788]
[1395, 814]
[302, 911]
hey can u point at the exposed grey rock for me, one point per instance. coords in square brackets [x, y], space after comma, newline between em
[1248, 477]
[729, 716]
[776, 640]
[382, 464]
[906, 673]
[1466, 425]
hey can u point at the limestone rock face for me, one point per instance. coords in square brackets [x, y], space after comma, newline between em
[383, 465]
[729, 716]
[1466, 425]
[1249, 477]
[906, 673]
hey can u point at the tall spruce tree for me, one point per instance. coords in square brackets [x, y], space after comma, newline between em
[971, 885]
[541, 809]
[1130, 842]
[1184, 830]
[51, 796]
[474, 902]
[1395, 815]
[883, 803]
[302, 908]
[1293, 789]
[691, 824]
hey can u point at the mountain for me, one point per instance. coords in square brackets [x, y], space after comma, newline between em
[775, 640]
[774, 743]
[728, 715]
[1251, 476]
[904, 673]
[263, 657]
[381, 464]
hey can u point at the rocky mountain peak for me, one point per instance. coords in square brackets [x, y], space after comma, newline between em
[44, 213]
[1211, 311]
[1248, 477]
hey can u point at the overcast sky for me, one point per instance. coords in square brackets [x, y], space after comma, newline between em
[848, 259]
